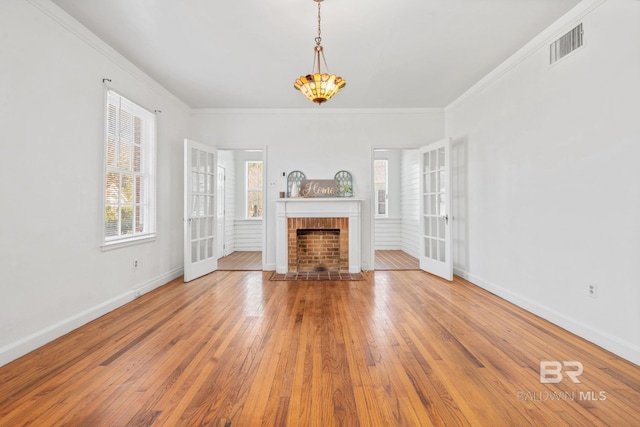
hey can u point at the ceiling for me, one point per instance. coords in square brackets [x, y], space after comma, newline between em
[247, 54]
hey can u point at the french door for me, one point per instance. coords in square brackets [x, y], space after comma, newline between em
[200, 248]
[435, 201]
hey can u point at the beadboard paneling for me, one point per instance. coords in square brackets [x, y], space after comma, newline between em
[388, 234]
[248, 235]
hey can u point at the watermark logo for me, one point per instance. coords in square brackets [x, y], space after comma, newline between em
[554, 371]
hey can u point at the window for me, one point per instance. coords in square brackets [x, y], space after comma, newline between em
[381, 190]
[129, 192]
[254, 189]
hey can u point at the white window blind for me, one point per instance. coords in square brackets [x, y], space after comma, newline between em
[129, 192]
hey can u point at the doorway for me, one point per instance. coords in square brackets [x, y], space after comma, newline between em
[396, 208]
[241, 219]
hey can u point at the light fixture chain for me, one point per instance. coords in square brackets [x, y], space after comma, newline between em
[319, 38]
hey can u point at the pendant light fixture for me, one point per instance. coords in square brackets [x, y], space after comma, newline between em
[319, 87]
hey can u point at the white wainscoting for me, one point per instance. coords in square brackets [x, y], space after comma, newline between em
[410, 237]
[388, 234]
[248, 235]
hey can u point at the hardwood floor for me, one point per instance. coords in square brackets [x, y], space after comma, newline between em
[241, 260]
[401, 348]
[395, 260]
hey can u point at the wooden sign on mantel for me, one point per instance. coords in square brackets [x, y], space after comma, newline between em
[319, 188]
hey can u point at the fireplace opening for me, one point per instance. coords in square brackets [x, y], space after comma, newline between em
[328, 239]
[318, 249]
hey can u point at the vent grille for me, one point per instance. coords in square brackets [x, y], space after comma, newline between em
[566, 44]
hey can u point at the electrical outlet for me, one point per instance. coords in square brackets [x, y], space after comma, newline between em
[593, 290]
[135, 264]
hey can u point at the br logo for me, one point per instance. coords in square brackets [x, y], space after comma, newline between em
[553, 371]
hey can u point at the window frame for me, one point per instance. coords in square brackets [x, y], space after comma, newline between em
[143, 193]
[248, 190]
[377, 190]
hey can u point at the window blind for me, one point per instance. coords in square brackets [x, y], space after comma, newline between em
[130, 149]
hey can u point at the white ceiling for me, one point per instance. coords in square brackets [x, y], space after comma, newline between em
[246, 54]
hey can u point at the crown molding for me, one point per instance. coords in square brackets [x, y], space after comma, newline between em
[66, 21]
[313, 111]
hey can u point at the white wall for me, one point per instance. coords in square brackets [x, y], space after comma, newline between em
[547, 191]
[319, 141]
[55, 277]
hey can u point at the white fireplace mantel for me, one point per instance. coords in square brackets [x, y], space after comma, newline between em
[318, 208]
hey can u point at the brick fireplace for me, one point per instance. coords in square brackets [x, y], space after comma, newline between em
[318, 234]
[318, 244]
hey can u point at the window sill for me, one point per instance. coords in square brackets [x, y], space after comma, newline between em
[121, 243]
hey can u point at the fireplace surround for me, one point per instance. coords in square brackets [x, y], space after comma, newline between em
[293, 214]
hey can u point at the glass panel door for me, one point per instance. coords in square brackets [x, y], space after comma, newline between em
[435, 234]
[200, 246]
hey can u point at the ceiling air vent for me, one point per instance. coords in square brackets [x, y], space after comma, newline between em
[566, 44]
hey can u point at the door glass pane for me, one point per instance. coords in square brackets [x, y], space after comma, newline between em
[441, 225]
[442, 207]
[209, 247]
[201, 182]
[441, 251]
[433, 206]
[194, 251]
[202, 205]
[194, 159]
[194, 229]
[211, 224]
[202, 161]
[194, 182]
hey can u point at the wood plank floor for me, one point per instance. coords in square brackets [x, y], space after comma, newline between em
[241, 260]
[401, 348]
[395, 260]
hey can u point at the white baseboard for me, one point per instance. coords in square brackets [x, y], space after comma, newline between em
[624, 349]
[269, 267]
[31, 342]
